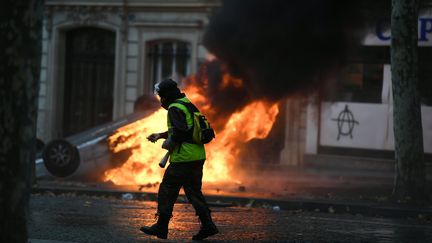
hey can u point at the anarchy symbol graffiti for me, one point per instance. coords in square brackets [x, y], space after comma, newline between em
[345, 122]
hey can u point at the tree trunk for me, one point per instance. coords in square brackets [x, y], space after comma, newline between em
[20, 23]
[409, 154]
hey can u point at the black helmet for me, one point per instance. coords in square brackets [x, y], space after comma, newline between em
[167, 88]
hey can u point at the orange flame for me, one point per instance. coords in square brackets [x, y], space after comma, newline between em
[253, 121]
[142, 167]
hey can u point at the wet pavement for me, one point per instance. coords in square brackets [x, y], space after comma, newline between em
[72, 218]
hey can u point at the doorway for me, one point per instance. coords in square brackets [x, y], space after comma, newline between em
[89, 79]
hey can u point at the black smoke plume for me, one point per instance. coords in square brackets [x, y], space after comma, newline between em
[279, 47]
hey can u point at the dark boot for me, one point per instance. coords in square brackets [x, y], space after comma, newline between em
[208, 228]
[160, 229]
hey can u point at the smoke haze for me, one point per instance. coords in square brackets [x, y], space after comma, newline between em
[280, 47]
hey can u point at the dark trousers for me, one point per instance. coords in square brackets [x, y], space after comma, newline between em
[186, 175]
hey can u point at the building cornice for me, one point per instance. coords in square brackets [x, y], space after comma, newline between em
[194, 24]
[148, 5]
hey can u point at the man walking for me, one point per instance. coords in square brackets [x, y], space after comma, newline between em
[186, 164]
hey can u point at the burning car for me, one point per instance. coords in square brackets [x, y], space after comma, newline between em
[119, 152]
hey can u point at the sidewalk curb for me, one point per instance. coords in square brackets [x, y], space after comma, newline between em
[47, 241]
[329, 206]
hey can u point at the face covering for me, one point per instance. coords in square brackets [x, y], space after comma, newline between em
[165, 103]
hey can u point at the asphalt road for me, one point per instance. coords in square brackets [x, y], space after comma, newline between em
[94, 219]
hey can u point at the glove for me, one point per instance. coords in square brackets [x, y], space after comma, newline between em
[153, 137]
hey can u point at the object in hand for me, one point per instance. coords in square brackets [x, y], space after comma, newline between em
[168, 144]
[164, 160]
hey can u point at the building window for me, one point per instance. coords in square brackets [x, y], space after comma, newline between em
[362, 79]
[361, 83]
[167, 59]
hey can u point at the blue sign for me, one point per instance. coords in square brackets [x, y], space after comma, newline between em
[425, 28]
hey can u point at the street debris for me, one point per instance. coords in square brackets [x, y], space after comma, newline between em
[148, 185]
[266, 206]
[296, 211]
[381, 198]
[276, 208]
[49, 194]
[250, 203]
[220, 204]
[127, 196]
[182, 199]
[69, 194]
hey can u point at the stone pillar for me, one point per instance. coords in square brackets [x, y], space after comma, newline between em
[293, 152]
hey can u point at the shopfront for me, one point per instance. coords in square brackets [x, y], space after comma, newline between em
[358, 121]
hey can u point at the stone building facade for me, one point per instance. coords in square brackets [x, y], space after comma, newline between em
[99, 56]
